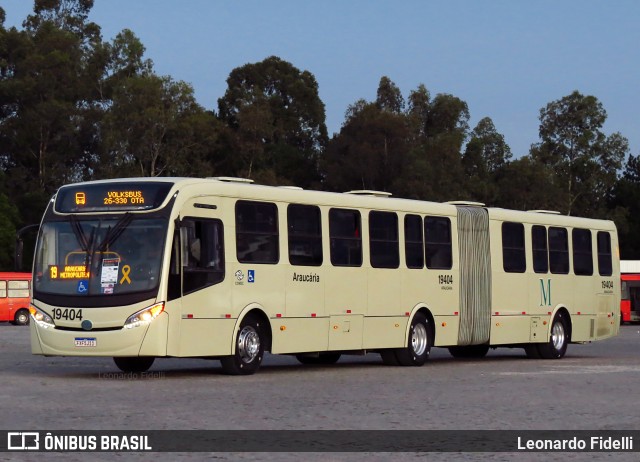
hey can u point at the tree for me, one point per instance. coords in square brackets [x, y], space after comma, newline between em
[585, 160]
[440, 128]
[485, 155]
[48, 83]
[279, 121]
[149, 127]
[389, 98]
[369, 152]
[524, 184]
[625, 202]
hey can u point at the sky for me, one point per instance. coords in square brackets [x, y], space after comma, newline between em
[506, 59]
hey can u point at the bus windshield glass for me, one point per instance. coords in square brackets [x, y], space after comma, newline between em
[109, 255]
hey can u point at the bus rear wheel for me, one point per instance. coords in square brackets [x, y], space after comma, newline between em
[21, 317]
[556, 347]
[469, 351]
[418, 344]
[249, 352]
[134, 363]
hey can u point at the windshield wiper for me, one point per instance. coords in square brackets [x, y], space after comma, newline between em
[114, 233]
[78, 231]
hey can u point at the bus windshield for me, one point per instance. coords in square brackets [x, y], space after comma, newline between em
[104, 255]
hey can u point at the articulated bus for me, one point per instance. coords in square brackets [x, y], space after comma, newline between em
[137, 269]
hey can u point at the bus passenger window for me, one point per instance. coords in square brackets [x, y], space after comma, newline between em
[202, 253]
[383, 240]
[413, 241]
[605, 266]
[558, 250]
[345, 237]
[304, 235]
[540, 249]
[513, 251]
[257, 232]
[437, 236]
[18, 289]
[582, 252]
[3, 289]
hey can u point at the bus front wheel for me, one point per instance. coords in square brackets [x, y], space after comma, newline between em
[249, 349]
[134, 363]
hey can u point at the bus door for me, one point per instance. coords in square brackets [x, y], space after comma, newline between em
[475, 276]
[198, 298]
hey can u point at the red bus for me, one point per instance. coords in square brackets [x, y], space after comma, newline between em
[15, 296]
[630, 303]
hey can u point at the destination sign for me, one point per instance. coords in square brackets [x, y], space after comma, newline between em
[111, 196]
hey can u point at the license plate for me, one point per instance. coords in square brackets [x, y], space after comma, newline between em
[83, 342]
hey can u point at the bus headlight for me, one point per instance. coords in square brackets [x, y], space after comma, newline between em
[41, 318]
[144, 316]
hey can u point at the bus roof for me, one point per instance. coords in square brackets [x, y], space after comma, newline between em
[241, 187]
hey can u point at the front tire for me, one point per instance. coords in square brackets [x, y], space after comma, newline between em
[418, 344]
[134, 363]
[558, 339]
[21, 317]
[249, 352]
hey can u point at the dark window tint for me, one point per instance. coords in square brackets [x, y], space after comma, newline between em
[540, 249]
[513, 253]
[256, 232]
[305, 235]
[383, 240]
[437, 235]
[202, 253]
[345, 237]
[605, 266]
[582, 252]
[558, 251]
[413, 241]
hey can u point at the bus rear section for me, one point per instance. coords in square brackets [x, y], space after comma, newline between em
[15, 298]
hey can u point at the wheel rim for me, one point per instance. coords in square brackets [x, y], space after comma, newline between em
[248, 344]
[22, 318]
[558, 336]
[419, 339]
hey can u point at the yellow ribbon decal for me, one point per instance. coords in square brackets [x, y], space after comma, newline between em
[126, 269]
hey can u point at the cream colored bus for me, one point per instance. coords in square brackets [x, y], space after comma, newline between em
[137, 269]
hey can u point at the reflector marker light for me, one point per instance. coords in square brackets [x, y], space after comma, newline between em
[227, 316]
[313, 315]
[278, 315]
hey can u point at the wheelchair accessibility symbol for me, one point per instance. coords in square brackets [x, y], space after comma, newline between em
[83, 287]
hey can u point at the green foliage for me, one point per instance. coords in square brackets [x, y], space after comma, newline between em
[369, 153]
[583, 158]
[272, 106]
[74, 107]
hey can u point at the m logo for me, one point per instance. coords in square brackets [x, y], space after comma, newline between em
[545, 293]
